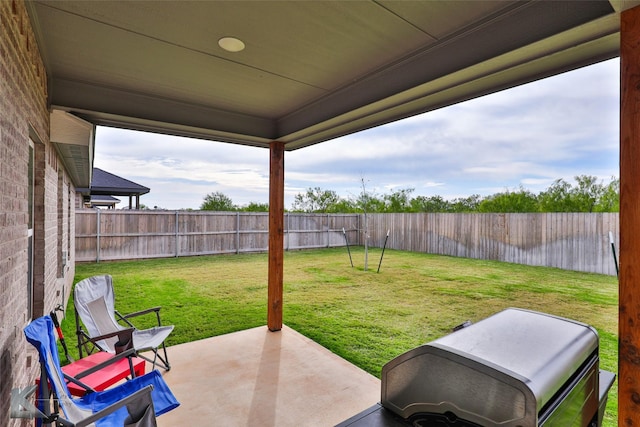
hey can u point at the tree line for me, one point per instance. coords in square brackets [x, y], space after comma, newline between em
[587, 194]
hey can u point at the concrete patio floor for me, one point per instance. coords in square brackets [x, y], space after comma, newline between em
[261, 378]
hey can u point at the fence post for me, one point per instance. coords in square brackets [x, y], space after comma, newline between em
[328, 231]
[98, 236]
[177, 237]
[237, 232]
[288, 222]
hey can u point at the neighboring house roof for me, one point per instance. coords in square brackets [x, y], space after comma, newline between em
[108, 184]
[108, 201]
[104, 200]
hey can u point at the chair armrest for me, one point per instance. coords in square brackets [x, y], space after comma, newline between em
[129, 353]
[145, 391]
[124, 333]
[78, 382]
[141, 312]
[126, 317]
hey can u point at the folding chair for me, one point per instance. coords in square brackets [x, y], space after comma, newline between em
[132, 403]
[94, 303]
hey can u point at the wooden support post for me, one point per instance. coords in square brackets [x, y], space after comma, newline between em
[276, 235]
[629, 292]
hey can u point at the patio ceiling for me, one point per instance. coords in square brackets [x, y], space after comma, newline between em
[312, 70]
[316, 70]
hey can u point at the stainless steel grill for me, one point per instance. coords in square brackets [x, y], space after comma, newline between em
[517, 368]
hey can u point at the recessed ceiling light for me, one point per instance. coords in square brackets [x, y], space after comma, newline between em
[231, 44]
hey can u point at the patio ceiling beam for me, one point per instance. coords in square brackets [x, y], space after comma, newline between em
[629, 296]
[276, 235]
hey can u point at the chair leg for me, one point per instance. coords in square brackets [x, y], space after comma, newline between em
[166, 358]
[163, 362]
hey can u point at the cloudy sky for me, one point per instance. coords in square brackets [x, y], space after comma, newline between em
[531, 135]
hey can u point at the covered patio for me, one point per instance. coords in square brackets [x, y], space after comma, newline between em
[287, 75]
[255, 377]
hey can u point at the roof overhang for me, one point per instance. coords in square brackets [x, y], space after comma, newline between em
[311, 71]
[99, 200]
[118, 191]
[74, 140]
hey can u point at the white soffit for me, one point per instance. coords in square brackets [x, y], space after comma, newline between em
[74, 140]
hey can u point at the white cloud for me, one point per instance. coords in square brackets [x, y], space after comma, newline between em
[529, 135]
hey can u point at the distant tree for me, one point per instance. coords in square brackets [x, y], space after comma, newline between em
[466, 204]
[344, 206]
[255, 207]
[398, 201]
[510, 201]
[315, 200]
[610, 199]
[217, 202]
[556, 197]
[586, 194]
[429, 204]
[368, 201]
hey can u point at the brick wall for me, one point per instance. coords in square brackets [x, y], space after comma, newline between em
[45, 229]
[24, 116]
[66, 228]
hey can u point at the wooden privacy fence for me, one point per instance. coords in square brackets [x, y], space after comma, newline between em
[571, 241]
[106, 235]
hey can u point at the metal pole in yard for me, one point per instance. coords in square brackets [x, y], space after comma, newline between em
[613, 251]
[383, 248]
[348, 250]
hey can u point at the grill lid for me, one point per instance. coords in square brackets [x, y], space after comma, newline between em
[500, 371]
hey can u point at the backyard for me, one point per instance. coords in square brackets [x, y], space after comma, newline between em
[365, 317]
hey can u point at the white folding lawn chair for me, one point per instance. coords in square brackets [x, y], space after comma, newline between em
[94, 304]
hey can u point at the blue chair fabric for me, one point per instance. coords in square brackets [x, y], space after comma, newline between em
[40, 334]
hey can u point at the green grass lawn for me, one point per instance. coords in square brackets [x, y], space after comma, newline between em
[366, 317]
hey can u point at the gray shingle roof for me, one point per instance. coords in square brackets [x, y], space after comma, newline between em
[105, 183]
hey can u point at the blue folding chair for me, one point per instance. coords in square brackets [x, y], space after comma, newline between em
[133, 403]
